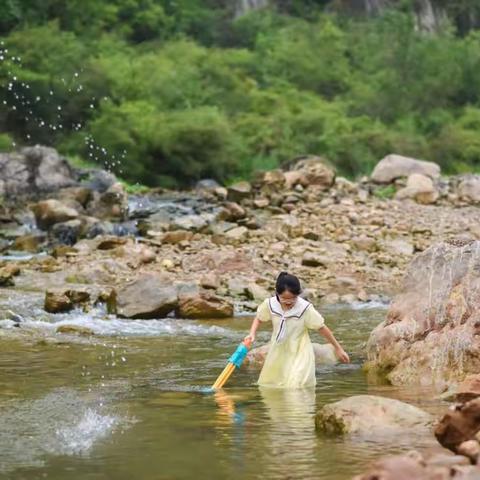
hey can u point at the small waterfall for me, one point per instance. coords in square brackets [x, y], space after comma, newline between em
[244, 6]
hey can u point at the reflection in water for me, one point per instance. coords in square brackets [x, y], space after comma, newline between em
[291, 434]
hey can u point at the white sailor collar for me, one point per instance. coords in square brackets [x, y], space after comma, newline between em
[296, 311]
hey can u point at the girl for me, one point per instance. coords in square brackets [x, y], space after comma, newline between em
[290, 362]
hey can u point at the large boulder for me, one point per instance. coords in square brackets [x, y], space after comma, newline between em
[49, 212]
[34, 170]
[367, 414]
[204, 305]
[150, 296]
[432, 331]
[396, 166]
[419, 188]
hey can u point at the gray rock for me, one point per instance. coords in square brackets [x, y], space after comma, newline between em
[34, 170]
[368, 415]
[396, 166]
[150, 296]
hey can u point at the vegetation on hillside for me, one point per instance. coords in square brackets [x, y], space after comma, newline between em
[167, 92]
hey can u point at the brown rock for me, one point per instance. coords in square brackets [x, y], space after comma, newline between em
[315, 171]
[204, 305]
[78, 296]
[110, 242]
[56, 302]
[177, 236]
[50, 212]
[460, 424]
[231, 212]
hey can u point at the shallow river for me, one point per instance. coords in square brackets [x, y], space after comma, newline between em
[130, 402]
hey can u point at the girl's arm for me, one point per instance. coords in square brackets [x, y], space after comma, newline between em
[339, 351]
[253, 329]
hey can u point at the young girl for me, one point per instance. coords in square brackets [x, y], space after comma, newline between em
[290, 362]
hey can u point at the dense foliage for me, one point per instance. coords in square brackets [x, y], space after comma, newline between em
[170, 91]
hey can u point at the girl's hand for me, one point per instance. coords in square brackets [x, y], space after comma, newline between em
[249, 338]
[342, 355]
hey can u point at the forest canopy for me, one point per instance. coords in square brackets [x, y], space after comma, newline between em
[168, 92]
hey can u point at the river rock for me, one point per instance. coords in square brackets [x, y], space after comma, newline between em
[419, 188]
[56, 302]
[364, 243]
[67, 233]
[75, 329]
[79, 195]
[176, 236]
[432, 331]
[459, 424]
[192, 223]
[208, 184]
[231, 212]
[311, 259]
[34, 170]
[294, 178]
[468, 389]
[6, 278]
[98, 180]
[109, 242]
[315, 171]
[398, 467]
[50, 212]
[239, 191]
[365, 414]
[271, 181]
[469, 189]
[29, 243]
[257, 292]
[111, 204]
[150, 296]
[324, 354]
[237, 234]
[204, 305]
[394, 166]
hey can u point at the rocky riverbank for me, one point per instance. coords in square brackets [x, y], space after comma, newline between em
[224, 246]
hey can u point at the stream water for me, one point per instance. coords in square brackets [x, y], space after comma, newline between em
[130, 402]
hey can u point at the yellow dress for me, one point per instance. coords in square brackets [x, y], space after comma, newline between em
[290, 362]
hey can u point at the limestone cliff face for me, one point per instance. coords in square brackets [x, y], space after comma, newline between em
[430, 15]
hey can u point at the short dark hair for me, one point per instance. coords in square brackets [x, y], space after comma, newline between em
[285, 281]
